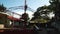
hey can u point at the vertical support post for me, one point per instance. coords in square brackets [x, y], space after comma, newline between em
[25, 7]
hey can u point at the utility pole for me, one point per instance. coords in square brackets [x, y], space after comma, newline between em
[25, 7]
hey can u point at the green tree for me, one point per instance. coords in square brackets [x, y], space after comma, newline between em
[25, 17]
[41, 15]
[2, 8]
[55, 5]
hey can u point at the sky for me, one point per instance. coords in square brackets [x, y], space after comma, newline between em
[34, 4]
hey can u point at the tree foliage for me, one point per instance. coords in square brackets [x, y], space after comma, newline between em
[55, 4]
[42, 14]
[25, 17]
[2, 8]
